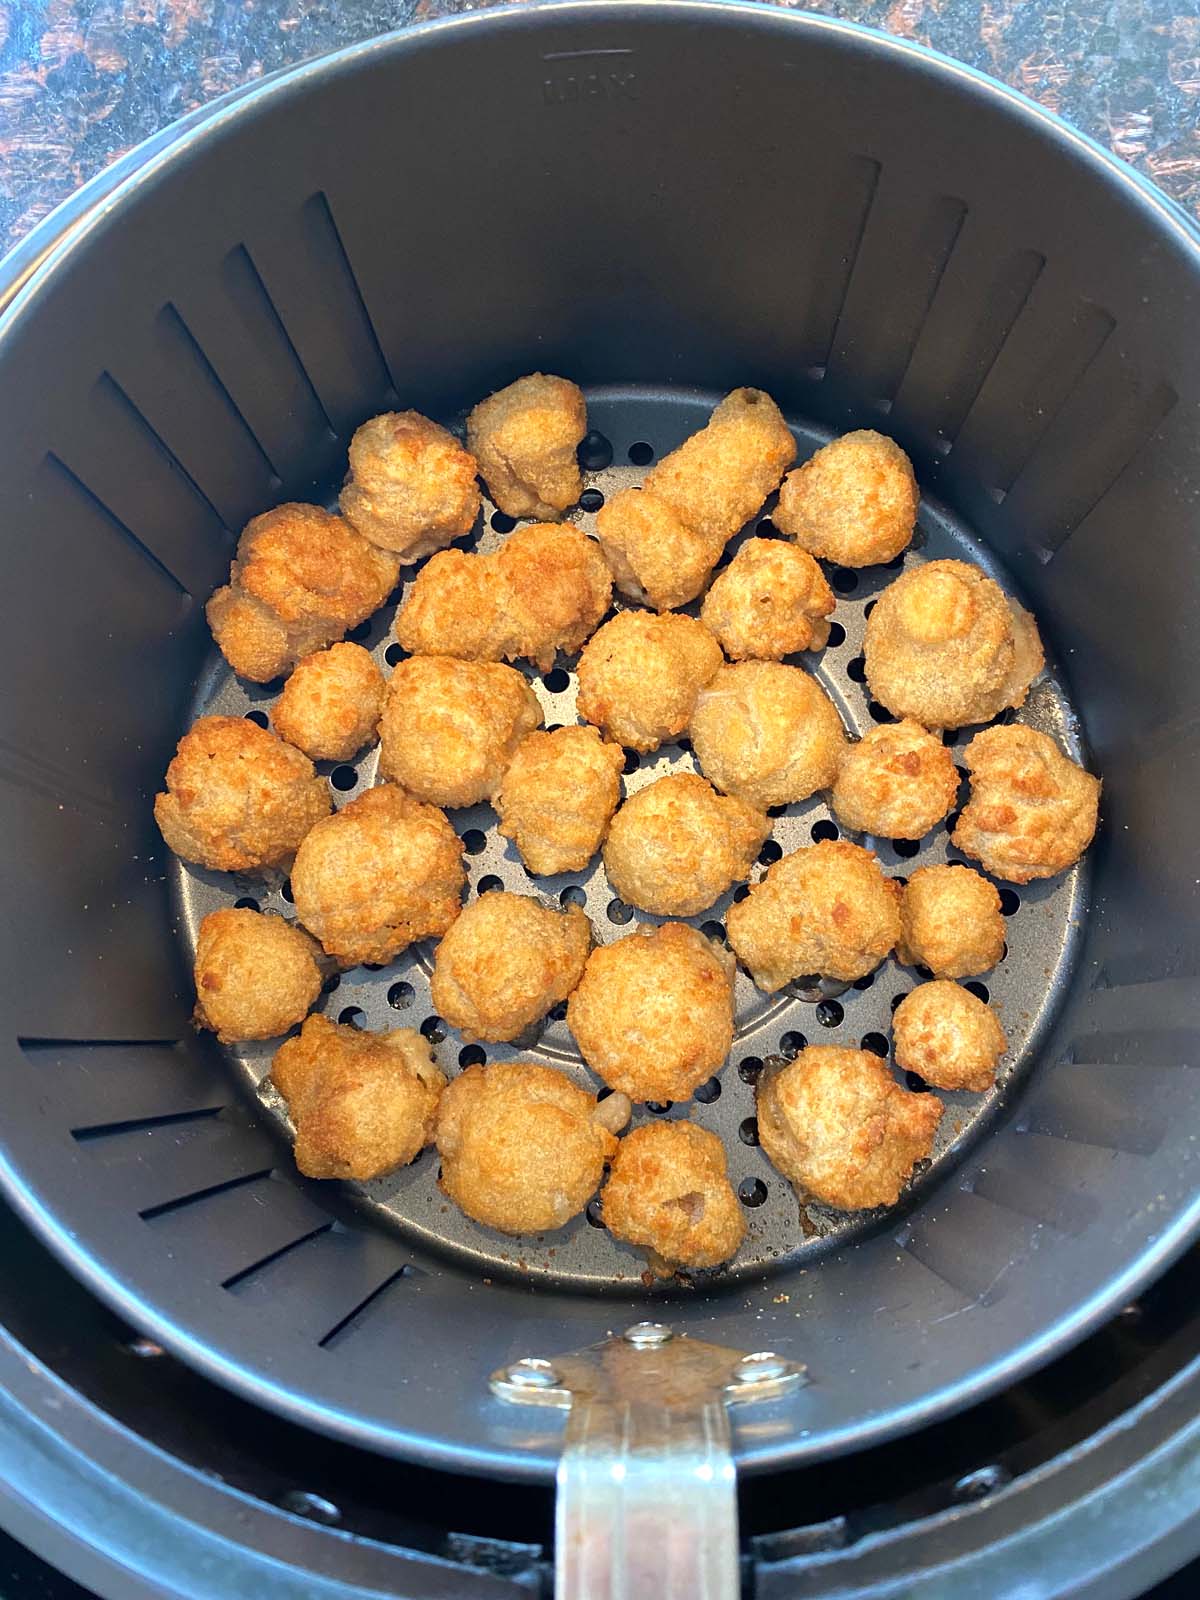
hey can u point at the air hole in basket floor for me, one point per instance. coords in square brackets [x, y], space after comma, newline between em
[837, 636]
[748, 1130]
[752, 1192]
[258, 718]
[641, 454]
[401, 995]
[749, 1069]
[502, 522]
[245, 904]
[352, 1017]
[875, 1043]
[709, 1091]
[472, 1055]
[823, 831]
[830, 1014]
[434, 1029]
[591, 500]
[343, 778]
[595, 453]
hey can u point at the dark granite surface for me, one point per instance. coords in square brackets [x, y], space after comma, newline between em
[83, 80]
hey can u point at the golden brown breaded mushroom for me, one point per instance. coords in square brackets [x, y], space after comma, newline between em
[330, 706]
[505, 962]
[840, 1128]
[950, 922]
[1032, 811]
[854, 502]
[653, 1012]
[256, 975]
[454, 607]
[411, 487]
[767, 733]
[382, 873]
[362, 1104]
[770, 601]
[300, 579]
[677, 844]
[656, 559]
[945, 646]
[237, 798]
[826, 909]
[897, 782]
[525, 438]
[640, 676]
[523, 1149]
[948, 1036]
[450, 728]
[670, 1195]
[558, 796]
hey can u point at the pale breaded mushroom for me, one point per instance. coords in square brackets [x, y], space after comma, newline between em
[449, 728]
[677, 844]
[950, 922]
[854, 502]
[525, 438]
[505, 962]
[670, 1195]
[948, 1036]
[256, 975]
[770, 601]
[653, 1013]
[767, 733]
[300, 579]
[1032, 811]
[897, 782]
[330, 706]
[558, 796]
[656, 559]
[411, 488]
[640, 676]
[523, 1149]
[362, 1104]
[238, 799]
[841, 1129]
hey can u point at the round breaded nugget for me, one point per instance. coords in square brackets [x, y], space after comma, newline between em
[677, 844]
[1032, 811]
[640, 676]
[841, 1129]
[948, 1036]
[454, 607]
[767, 733]
[362, 1104]
[256, 975]
[450, 728]
[300, 579]
[383, 872]
[330, 706]
[950, 922]
[522, 1148]
[946, 647]
[826, 909]
[898, 781]
[771, 600]
[655, 557]
[558, 796]
[411, 487]
[525, 438]
[854, 502]
[653, 1012]
[237, 798]
[670, 1195]
[505, 962]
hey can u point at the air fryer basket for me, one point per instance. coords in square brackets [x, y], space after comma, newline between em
[660, 202]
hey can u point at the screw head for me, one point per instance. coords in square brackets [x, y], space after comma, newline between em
[646, 1335]
[532, 1373]
[761, 1367]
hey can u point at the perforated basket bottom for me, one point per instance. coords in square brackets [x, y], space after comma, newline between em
[1044, 923]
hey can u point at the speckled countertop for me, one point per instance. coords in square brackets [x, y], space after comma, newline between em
[83, 80]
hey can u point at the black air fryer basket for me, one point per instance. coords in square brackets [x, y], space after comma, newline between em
[660, 202]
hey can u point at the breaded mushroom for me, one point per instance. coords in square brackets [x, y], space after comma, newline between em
[677, 844]
[256, 975]
[525, 438]
[950, 922]
[238, 799]
[767, 733]
[362, 1104]
[1032, 811]
[523, 1149]
[841, 1129]
[656, 559]
[330, 706]
[450, 728]
[670, 1195]
[558, 796]
[411, 487]
[653, 1012]
[897, 782]
[948, 1036]
[854, 502]
[640, 676]
[385, 871]
[770, 601]
[946, 646]
[826, 909]
[301, 578]
[505, 962]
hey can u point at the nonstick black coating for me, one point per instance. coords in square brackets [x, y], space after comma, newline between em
[684, 196]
